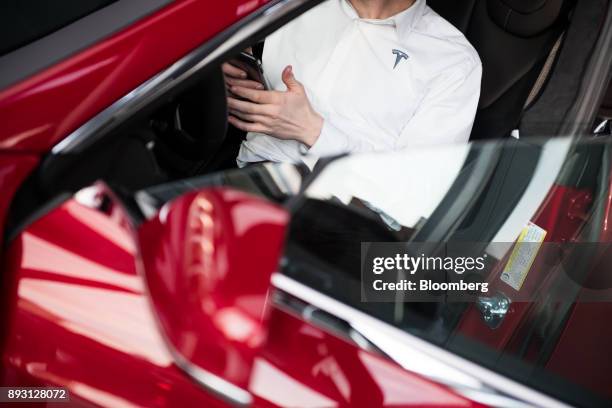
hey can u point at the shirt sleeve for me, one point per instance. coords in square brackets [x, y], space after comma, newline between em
[447, 112]
[334, 139]
[445, 115]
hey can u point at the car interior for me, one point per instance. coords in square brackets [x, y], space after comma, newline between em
[515, 40]
[529, 73]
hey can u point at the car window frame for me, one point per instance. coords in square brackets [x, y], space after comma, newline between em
[23, 62]
[288, 282]
[467, 378]
[598, 73]
[160, 87]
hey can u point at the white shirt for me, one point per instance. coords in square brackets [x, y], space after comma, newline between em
[412, 79]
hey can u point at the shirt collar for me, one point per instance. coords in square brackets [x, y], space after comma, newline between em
[403, 21]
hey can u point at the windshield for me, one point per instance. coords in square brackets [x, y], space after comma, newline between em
[534, 213]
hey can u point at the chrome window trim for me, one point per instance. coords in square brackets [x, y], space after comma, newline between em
[172, 76]
[214, 384]
[416, 355]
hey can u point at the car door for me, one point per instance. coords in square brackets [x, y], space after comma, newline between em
[178, 310]
[51, 55]
[77, 315]
[64, 62]
[548, 196]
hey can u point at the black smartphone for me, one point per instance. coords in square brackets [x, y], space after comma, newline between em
[252, 66]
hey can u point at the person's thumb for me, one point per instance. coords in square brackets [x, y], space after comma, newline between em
[289, 79]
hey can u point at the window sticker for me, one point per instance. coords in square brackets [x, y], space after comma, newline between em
[524, 252]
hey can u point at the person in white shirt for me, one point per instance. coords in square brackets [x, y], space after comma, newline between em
[373, 75]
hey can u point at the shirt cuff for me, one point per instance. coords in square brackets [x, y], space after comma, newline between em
[331, 141]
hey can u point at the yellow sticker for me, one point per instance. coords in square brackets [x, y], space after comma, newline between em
[523, 254]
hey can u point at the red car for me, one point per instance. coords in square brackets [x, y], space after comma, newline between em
[140, 268]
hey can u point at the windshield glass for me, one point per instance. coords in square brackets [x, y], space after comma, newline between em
[534, 213]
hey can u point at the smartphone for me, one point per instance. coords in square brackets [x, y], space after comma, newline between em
[252, 66]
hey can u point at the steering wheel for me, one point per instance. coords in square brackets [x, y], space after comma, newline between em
[194, 126]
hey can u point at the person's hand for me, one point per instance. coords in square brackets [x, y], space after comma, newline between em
[284, 115]
[235, 76]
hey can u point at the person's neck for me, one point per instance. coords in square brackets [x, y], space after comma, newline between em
[380, 9]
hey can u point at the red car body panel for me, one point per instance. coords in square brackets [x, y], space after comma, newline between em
[587, 367]
[557, 216]
[209, 260]
[81, 318]
[562, 215]
[300, 359]
[14, 168]
[43, 109]
[40, 111]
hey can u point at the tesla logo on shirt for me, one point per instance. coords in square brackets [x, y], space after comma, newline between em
[399, 56]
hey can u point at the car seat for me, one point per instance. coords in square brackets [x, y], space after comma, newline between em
[517, 41]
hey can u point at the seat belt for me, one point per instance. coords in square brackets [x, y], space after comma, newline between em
[544, 74]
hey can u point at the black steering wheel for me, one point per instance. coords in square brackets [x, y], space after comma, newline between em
[194, 126]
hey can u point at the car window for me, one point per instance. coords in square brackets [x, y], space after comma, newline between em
[502, 200]
[24, 21]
